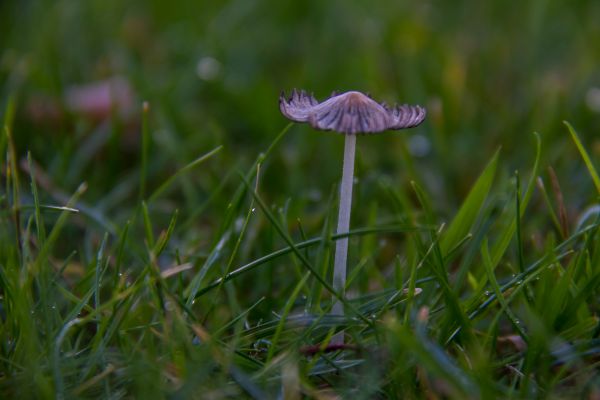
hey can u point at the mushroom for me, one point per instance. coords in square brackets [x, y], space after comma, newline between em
[348, 113]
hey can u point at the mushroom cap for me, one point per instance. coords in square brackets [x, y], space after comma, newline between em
[349, 113]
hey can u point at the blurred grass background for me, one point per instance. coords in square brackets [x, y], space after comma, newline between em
[489, 73]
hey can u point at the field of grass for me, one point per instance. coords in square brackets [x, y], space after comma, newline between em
[165, 231]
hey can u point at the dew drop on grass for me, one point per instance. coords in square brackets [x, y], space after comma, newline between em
[487, 293]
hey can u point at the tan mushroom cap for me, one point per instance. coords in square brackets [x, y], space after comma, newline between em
[349, 113]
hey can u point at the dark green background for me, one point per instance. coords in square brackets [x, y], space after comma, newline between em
[490, 74]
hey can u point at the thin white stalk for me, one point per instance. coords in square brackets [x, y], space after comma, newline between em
[341, 246]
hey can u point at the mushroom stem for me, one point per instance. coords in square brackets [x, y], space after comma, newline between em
[341, 246]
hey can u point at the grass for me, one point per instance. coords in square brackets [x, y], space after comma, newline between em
[123, 323]
[185, 249]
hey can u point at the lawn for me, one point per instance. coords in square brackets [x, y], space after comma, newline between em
[165, 232]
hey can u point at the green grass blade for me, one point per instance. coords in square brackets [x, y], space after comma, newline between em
[98, 271]
[57, 370]
[286, 310]
[13, 186]
[192, 290]
[144, 150]
[470, 208]
[487, 263]
[163, 240]
[584, 154]
[120, 253]
[162, 188]
[46, 207]
[57, 228]
[235, 320]
[542, 187]
[41, 229]
[7, 123]
[434, 359]
[147, 225]
[500, 247]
